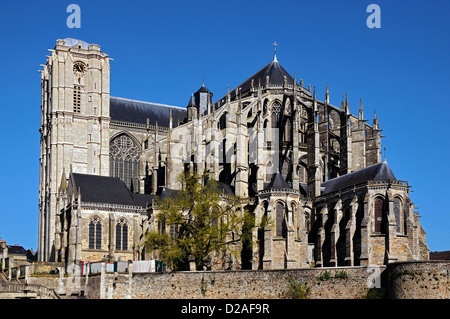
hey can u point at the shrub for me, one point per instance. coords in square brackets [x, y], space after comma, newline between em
[342, 274]
[325, 275]
[297, 289]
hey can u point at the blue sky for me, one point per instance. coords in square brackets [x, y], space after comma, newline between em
[161, 49]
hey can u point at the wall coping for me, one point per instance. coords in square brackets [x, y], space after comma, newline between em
[256, 270]
[419, 262]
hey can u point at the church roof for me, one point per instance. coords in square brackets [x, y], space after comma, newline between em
[278, 182]
[135, 111]
[379, 171]
[107, 190]
[275, 72]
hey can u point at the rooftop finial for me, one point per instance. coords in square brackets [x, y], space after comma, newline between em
[361, 112]
[203, 77]
[275, 51]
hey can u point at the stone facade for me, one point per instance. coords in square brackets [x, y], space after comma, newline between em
[314, 169]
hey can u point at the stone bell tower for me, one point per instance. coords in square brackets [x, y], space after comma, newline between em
[74, 125]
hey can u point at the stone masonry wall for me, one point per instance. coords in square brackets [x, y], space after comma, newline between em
[418, 280]
[261, 284]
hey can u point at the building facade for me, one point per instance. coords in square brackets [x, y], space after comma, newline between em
[313, 168]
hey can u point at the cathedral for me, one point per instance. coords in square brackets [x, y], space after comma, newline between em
[313, 168]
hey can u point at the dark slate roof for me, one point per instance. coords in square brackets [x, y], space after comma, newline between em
[14, 250]
[142, 199]
[192, 101]
[134, 111]
[278, 182]
[276, 74]
[304, 189]
[167, 193]
[107, 190]
[203, 89]
[379, 171]
[224, 188]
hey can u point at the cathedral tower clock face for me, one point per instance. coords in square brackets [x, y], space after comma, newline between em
[79, 67]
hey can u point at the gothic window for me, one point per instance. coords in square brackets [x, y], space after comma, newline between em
[399, 216]
[222, 122]
[121, 235]
[281, 229]
[269, 171]
[276, 108]
[288, 130]
[301, 171]
[274, 132]
[124, 161]
[294, 221]
[266, 131]
[95, 233]
[379, 214]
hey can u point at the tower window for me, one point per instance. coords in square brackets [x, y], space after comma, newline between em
[77, 98]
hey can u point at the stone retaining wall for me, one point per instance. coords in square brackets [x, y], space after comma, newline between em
[418, 280]
[336, 283]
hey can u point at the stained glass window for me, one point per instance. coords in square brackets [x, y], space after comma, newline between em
[121, 235]
[379, 215]
[124, 161]
[281, 228]
[95, 233]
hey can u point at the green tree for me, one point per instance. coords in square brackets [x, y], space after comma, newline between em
[196, 222]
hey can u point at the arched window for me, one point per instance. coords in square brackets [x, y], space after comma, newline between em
[399, 216]
[288, 130]
[265, 109]
[121, 235]
[281, 229]
[276, 109]
[379, 214]
[124, 161]
[266, 131]
[293, 218]
[95, 233]
[222, 122]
